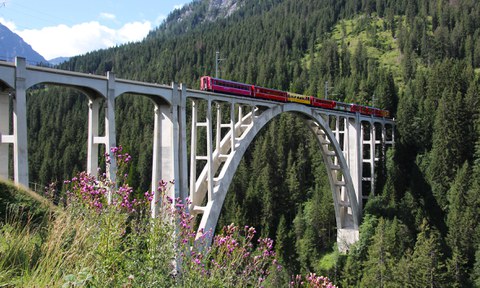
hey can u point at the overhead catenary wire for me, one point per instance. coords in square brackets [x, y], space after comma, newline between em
[50, 19]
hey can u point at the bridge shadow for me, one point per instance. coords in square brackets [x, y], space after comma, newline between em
[420, 190]
[413, 198]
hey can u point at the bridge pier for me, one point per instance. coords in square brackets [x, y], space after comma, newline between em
[109, 138]
[348, 233]
[338, 138]
[354, 154]
[169, 149]
[163, 153]
[110, 134]
[20, 144]
[5, 138]
[93, 137]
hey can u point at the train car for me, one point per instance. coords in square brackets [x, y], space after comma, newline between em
[343, 106]
[269, 94]
[365, 110]
[354, 108]
[208, 83]
[381, 113]
[376, 112]
[323, 103]
[385, 113]
[297, 98]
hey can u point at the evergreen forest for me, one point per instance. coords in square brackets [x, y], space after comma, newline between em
[418, 59]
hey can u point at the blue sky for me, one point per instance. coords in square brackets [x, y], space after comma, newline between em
[67, 28]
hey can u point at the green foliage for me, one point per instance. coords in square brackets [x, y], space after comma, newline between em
[352, 273]
[22, 205]
[419, 59]
[428, 266]
[388, 246]
[475, 276]
[92, 244]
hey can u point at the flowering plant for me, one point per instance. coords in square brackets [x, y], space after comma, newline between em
[132, 249]
[311, 280]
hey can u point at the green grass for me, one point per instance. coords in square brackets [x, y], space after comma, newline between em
[327, 262]
[42, 245]
[90, 243]
[379, 42]
[14, 199]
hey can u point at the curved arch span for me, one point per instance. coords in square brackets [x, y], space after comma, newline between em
[344, 196]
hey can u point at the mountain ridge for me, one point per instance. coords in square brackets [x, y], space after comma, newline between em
[12, 45]
[196, 13]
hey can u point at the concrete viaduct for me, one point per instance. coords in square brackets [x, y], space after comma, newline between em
[349, 142]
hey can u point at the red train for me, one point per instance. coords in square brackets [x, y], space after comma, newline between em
[208, 83]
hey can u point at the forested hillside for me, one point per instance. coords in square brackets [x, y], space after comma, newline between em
[419, 59]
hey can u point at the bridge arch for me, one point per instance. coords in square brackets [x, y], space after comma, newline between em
[16, 78]
[7, 75]
[163, 120]
[225, 160]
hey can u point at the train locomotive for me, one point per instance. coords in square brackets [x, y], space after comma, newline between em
[208, 83]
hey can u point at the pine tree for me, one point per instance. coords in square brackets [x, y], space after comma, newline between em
[352, 270]
[407, 125]
[428, 267]
[457, 270]
[408, 64]
[448, 151]
[461, 225]
[301, 246]
[475, 275]
[386, 92]
[377, 271]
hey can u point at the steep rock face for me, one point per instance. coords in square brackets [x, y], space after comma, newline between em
[12, 45]
[210, 10]
[221, 8]
[196, 13]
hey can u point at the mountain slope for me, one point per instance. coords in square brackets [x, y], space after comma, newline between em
[194, 14]
[416, 59]
[12, 45]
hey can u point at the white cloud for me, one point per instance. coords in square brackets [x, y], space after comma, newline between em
[10, 25]
[160, 19]
[107, 16]
[66, 41]
[179, 6]
[134, 31]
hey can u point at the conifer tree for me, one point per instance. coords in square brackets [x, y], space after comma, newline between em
[402, 273]
[448, 151]
[428, 267]
[461, 225]
[475, 275]
[378, 267]
[284, 248]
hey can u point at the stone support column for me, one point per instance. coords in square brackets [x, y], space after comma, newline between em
[166, 148]
[354, 157]
[20, 145]
[5, 138]
[193, 154]
[93, 139]
[183, 153]
[110, 135]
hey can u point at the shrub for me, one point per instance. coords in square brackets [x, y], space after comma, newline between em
[92, 243]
